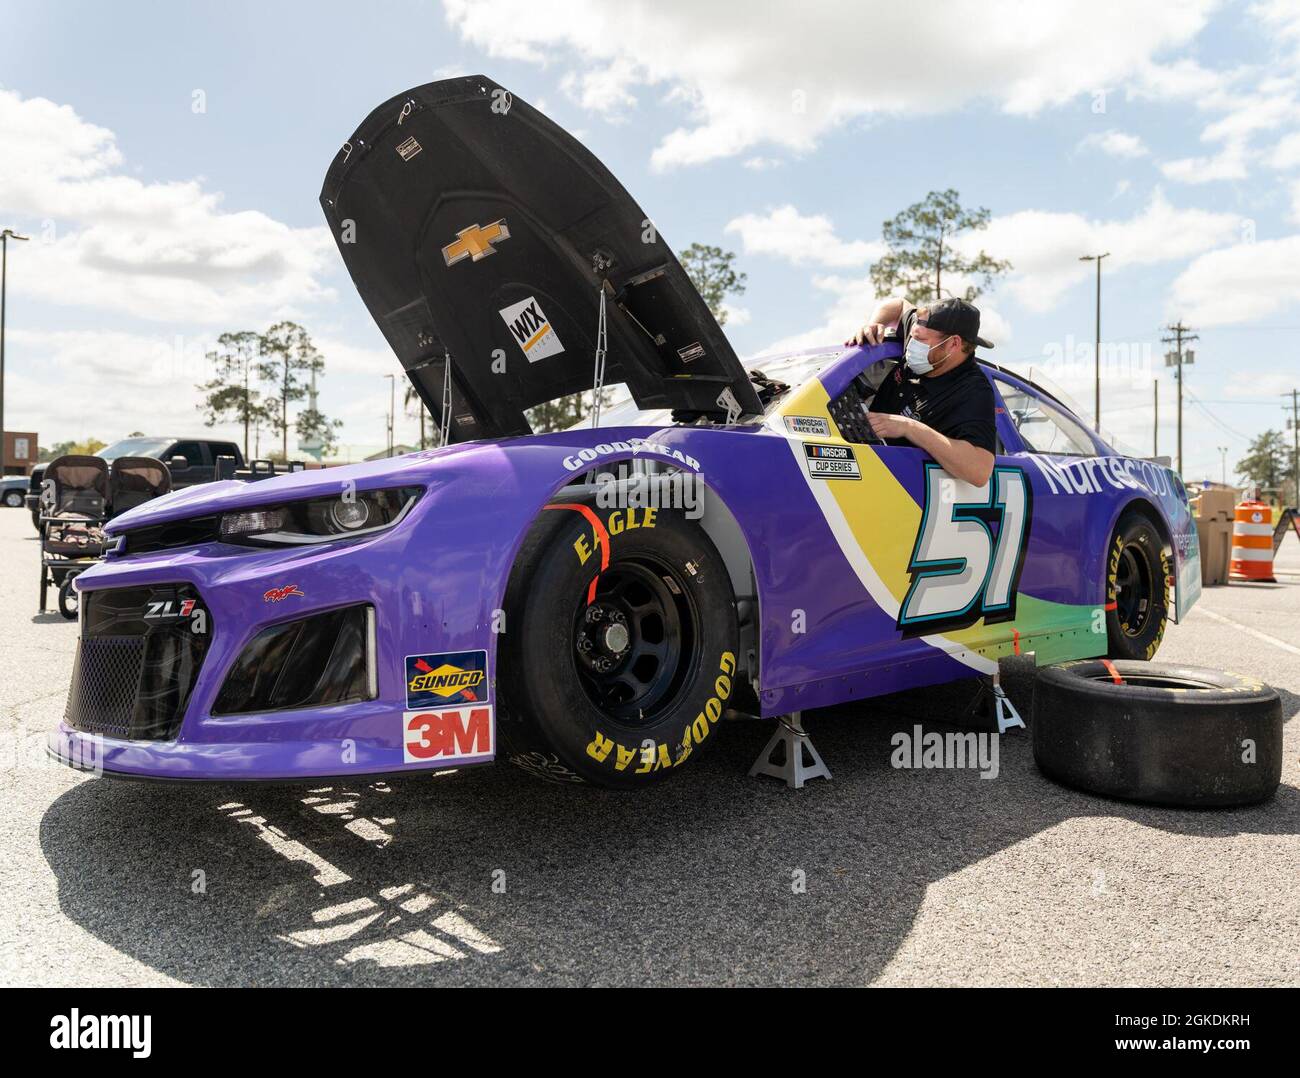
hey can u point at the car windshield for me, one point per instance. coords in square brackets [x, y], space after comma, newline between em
[791, 368]
[135, 447]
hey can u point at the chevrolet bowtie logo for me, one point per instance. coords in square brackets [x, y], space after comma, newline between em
[475, 242]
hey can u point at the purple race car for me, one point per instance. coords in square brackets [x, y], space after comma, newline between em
[589, 604]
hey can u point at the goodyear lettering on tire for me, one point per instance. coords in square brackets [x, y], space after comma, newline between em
[659, 755]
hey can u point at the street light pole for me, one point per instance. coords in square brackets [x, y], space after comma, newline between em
[1096, 356]
[1223, 465]
[5, 236]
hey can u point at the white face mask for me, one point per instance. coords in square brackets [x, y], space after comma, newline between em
[917, 355]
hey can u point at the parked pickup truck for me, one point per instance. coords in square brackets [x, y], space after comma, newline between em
[191, 460]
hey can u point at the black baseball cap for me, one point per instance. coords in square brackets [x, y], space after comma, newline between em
[955, 316]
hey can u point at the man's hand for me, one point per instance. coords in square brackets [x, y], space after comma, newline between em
[872, 333]
[886, 425]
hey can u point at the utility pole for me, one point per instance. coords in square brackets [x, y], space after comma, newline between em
[1155, 425]
[1096, 356]
[1294, 424]
[1176, 359]
[1223, 465]
[5, 236]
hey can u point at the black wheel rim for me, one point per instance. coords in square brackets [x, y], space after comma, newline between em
[634, 644]
[1134, 590]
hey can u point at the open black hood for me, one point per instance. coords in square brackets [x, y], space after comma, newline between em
[475, 227]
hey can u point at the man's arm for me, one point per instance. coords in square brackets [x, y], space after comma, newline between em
[959, 459]
[886, 316]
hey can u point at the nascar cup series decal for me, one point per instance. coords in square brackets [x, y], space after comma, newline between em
[448, 717]
[831, 461]
[531, 329]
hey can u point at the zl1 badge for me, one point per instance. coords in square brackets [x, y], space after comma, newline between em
[455, 677]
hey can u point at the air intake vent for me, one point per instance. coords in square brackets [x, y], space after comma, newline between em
[322, 659]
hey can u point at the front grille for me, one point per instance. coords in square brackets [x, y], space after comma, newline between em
[175, 533]
[137, 661]
[105, 685]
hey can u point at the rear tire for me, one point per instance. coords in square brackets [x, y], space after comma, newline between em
[14, 499]
[616, 675]
[1169, 735]
[1137, 590]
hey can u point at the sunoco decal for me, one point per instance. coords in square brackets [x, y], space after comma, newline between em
[531, 329]
[454, 677]
[831, 461]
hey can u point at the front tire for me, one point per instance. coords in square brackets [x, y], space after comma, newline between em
[620, 672]
[14, 499]
[1137, 590]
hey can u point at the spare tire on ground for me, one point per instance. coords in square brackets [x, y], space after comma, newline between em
[1158, 732]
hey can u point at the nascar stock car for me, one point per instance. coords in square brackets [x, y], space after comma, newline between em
[589, 604]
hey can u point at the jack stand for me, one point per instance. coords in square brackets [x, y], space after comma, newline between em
[1003, 710]
[791, 736]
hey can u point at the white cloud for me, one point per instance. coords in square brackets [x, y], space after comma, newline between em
[1044, 247]
[802, 240]
[1115, 143]
[814, 67]
[1239, 283]
[162, 251]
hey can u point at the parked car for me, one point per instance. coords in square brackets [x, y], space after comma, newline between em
[190, 460]
[554, 599]
[12, 489]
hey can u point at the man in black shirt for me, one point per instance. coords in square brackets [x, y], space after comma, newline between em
[936, 398]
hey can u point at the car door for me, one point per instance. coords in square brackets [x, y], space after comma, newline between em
[939, 559]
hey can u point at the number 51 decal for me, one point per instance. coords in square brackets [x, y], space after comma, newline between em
[969, 551]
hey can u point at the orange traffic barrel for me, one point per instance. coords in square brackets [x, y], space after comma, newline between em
[1252, 542]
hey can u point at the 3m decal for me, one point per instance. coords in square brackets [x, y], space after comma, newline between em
[831, 461]
[531, 329]
[450, 734]
[475, 243]
[408, 149]
[969, 552]
[455, 677]
[275, 595]
[808, 426]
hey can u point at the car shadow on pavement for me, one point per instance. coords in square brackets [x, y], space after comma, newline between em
[487, 875]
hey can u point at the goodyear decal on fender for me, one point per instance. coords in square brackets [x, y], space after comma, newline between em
[831, 461]
[455, 677]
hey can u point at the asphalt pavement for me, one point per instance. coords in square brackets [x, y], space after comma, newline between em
[487, 876]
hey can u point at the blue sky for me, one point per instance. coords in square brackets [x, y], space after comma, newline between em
[1168, 133]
